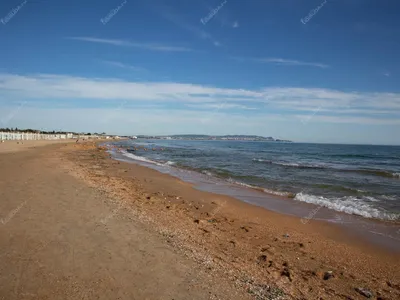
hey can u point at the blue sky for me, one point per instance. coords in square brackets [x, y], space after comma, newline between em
[309, 71]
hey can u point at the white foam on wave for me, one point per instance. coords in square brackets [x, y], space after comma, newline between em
[207, 173]
[272, 192]
[396, 175]
[285, 194]
[258, 159]
[350, 205]
[290, 164]
[240, 183]
[140, 158]
[389, 197]
[146, 160]
[371, 199]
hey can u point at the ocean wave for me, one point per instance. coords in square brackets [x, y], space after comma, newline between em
[389, 197]
[265, 190]
[362, 156]
[208, 173]
[140, 158]
[278, 193]
[379, 173]
[214, 172]
[291, 164]
[231, 180]
[340, 188]
[375, 172]
[348, 204]
[128, 153]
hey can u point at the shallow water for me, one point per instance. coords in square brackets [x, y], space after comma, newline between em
[355, 179]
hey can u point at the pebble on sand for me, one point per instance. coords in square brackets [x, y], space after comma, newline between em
[328, 275]
[364, 292]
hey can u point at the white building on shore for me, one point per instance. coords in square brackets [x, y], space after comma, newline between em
[33, 136]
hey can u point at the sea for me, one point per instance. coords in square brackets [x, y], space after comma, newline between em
[361, 180]
[356, 187]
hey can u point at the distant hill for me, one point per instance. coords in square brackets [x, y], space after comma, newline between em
[214, 137]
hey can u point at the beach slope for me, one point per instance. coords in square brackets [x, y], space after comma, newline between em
[62, 239]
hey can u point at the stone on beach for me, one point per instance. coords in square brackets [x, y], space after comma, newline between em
[364, 292]
[262, 258]
[328, 275]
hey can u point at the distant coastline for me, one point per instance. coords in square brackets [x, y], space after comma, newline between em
[201, 137]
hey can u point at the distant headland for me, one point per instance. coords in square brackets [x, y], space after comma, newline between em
[202, 137]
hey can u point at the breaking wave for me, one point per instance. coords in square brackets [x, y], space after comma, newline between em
[140, 158]
[350, 205]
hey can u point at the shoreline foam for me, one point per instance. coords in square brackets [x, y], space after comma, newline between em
[347, 204]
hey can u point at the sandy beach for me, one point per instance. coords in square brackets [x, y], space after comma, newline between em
[77, 224]
[62, 239]
[17, 146]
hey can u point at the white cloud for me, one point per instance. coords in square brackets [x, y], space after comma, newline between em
[121, 119]
[235, 24]
[122, 65]
[349, 120]
[283, 62]
[58, 86]
[289, 62]
[125, 43]
[356, 106]
[220, 106]
[127, 121]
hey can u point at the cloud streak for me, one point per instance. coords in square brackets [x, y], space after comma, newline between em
[290, 62]
[334, 104]
[122, 65]
[125, 43]
[283, 62]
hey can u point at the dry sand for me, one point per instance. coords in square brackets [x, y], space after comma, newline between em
[16, 146]
[62, 239]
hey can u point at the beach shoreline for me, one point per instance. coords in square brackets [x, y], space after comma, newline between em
[242, 238]
[64, 239]
[334, 177]
[382, 233]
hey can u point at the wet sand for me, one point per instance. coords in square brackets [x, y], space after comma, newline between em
[264, 253]
[61, 238]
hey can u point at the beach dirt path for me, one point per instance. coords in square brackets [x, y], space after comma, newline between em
[61, 239]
